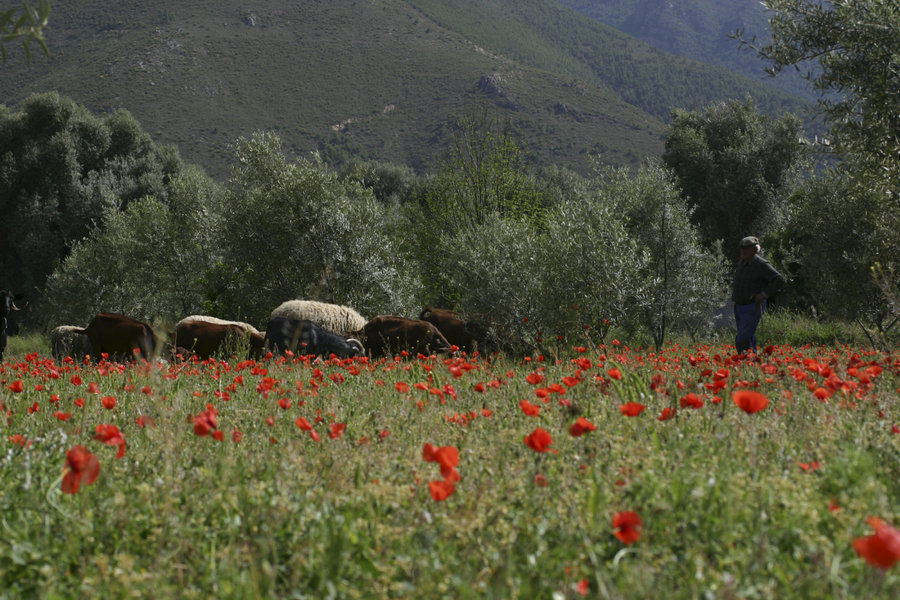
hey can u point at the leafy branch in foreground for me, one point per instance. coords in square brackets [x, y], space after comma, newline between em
[24, 25]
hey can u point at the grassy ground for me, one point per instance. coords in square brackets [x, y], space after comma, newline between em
[732, 505]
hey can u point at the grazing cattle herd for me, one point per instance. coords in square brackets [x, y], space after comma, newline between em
[299, 327]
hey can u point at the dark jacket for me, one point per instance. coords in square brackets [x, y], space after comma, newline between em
[753, 277]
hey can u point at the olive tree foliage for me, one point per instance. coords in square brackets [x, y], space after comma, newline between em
[682, 282]
[825, 248]
[295, 230]
[24, 25]
[855, 47]
[483, 176]
[145, 261]
[855, 44]
[590, 265]
[60, 169]
[736, 167]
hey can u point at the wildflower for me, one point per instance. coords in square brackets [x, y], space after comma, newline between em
[144, 421]
[539, 440]
[583, 587]
[580, 427]
[529, 409]
[627, 526]
[881, 549]
[666, 414]
[614, 373]
[205, 422]
[534, 378]
[111, 436]
[16, 386]
[82, 467]
[632, 409]
[441, 489]
[691, 400]
[109, 402]
[540, 480]
[303, 424]
[749, 401]
[337, 430]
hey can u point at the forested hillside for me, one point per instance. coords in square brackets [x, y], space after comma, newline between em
[372, 80]
[697, 29]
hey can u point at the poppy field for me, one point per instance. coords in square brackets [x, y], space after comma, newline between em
[604, 472]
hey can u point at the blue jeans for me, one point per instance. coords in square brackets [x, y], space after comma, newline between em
[747, 317]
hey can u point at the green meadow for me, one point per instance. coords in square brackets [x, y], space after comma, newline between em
[297, 478]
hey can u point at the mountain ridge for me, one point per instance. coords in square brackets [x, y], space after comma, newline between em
[379, 80]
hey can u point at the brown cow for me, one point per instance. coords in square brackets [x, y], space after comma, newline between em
[205, 336]
[119, 336]
[462, 333]
[387, 335]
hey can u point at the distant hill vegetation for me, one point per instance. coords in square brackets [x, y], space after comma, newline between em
[697, 29]
[373, 80]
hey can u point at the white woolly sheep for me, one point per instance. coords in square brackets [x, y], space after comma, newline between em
[338, 319]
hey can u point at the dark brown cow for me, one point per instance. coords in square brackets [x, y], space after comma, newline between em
[7, 303]
[387, 335]
[205, 338]
[119, 336]
[464, 334]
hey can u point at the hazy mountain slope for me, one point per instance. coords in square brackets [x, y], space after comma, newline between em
[548, 35]
[696, 29]
[377, 79]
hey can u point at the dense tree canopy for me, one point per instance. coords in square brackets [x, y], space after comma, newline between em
[736, 167]
[61, 169]
[854, 46]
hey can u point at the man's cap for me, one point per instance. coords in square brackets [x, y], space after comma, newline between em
[749, 241]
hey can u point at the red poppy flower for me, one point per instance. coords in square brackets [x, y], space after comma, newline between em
[205, 422]
[62, 416]
[337, 430]
[632, 409]
[614, 373]
[16, 386]
[666, 414]
[580, 427]
[539, 440]
[881, 549]
[540, 480]
[446, 456]
[583, 587]
[691, 400]
[534, 378]
[109, 402]
[82, 467]
[111, 436]
[441, 489]
[144, 421]
[750, 401]
[529, 409]
[303, 424]
[627, 526]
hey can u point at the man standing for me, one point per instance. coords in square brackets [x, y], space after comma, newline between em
[754, 281]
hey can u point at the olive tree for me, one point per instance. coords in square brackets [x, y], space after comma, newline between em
[61, 168]
[736, 167]
[145, 261]
[295, 230]
[682, 280]
[849, 51]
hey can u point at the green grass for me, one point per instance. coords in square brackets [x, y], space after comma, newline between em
[728, 511]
